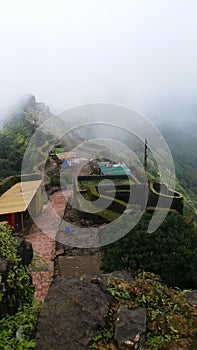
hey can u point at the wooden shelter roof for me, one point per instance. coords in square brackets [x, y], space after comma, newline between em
[18, 197]
[66, 155]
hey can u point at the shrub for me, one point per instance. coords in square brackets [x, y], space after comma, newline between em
[170, 251]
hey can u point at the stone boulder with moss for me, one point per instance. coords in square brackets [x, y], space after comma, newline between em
[114, 311]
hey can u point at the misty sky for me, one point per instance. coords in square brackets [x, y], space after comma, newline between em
[139, 53]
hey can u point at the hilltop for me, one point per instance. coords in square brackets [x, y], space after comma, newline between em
[16, 133]
[170, 252]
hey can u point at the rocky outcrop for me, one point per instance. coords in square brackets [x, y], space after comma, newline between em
[191, 297]
[24, 251]
[114, 311]
[73, 313]
[36, 110]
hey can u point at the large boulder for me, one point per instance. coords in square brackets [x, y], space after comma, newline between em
[24, 251]
[3, 266]
[73, 313]
[191, 297]
[130, 328]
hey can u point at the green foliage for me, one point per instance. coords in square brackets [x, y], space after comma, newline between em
[170, 251]
[8, 245]
[170, 319]
[168, 314]
[155, 342]
[19, 289]
[14, 139]
[18, 331]
[106, 334]
[18, 316]
[119, 292]
[38, 263]
[8, 182]
[15, 286]
[54, 177]
[59, 150]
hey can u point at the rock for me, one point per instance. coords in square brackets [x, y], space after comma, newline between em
[73, 313]
[103, 280]
[118, 275]
[191, 297]
[130, 327]
[52, 190]
[3, 265]
[74, 219]
[24, 250]
[84, 222]
[59, 252]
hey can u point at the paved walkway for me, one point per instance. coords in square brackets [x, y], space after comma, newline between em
[43, 245]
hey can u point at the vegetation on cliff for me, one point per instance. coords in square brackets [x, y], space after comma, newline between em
[171, 321]
[170, 251]
[18, 315]
[14, 138]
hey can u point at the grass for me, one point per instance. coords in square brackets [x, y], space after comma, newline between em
[88, 183]
[59, 149]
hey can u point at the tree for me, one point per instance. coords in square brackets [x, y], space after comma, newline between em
[170, 251]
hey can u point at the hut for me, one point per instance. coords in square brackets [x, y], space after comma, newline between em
[108, 168]
[20, 200]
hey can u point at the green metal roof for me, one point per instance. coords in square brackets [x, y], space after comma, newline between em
[115, 169]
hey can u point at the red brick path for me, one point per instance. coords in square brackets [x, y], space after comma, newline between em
[44, 245]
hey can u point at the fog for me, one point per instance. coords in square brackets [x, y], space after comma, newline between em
[137, 53]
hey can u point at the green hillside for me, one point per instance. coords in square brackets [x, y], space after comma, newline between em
[17, 131]
[184, 150]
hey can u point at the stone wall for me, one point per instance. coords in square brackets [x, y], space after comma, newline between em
[140, 195]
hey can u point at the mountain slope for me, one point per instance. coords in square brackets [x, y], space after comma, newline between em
[16, 134]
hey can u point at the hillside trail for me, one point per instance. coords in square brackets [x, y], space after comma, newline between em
[74, 263]
[44, 244]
